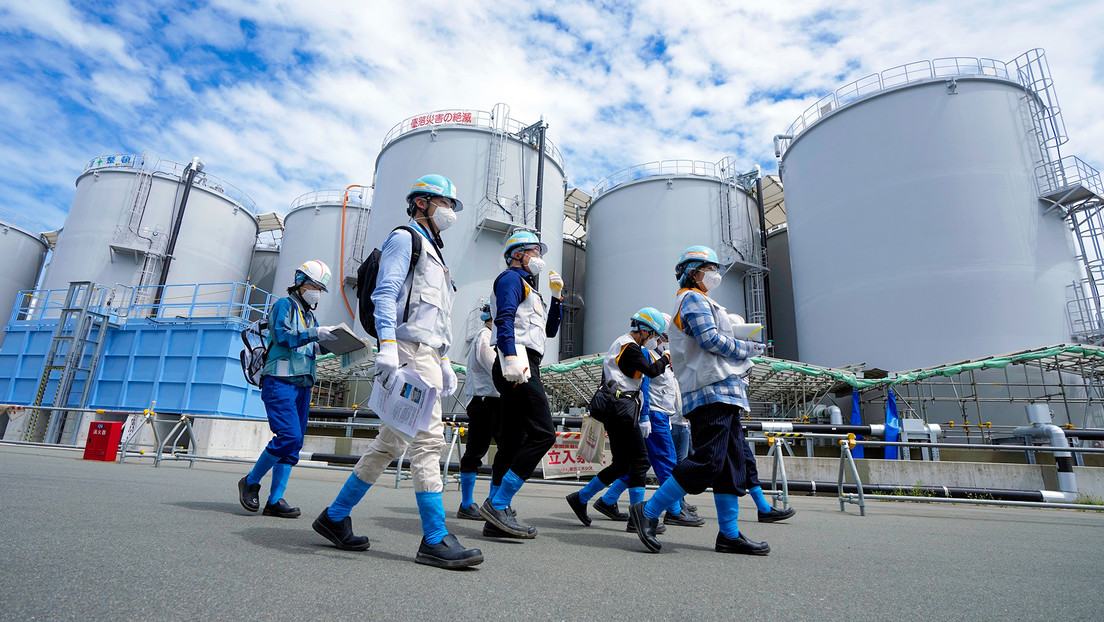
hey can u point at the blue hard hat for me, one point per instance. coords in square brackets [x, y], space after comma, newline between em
[650, 318]
[695, 257]
[524, 238]
[436, 186]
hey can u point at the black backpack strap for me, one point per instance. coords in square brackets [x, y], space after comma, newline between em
[415, 255]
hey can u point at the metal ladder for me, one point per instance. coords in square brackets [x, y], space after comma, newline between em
[80, 335]
[358, 253]
[496, 157]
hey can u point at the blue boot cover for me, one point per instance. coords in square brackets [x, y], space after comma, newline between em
[667, 494]
[760, 500]
[280, 474]
[467, 489]
[615, 490]
[351, 494]
[675, 509]
[636, 494]
[511, 483]
[728, 507]
[493, 492]
[432, 510]
[263, 466]
[593, 487]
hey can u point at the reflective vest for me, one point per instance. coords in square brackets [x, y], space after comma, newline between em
[530, 321]
[430, 292]
[478, 381]
[611, 372]
[695, 367]
[662, 390]
[284, 362]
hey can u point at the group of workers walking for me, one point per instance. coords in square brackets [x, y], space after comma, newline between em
[666, 379]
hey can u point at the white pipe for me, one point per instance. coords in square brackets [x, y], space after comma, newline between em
[778, 138]
[835, 417]
[1056, 436]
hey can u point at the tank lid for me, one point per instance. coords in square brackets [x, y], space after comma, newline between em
[153, 165]
[720, 171]
[360, 198]
[24, 224]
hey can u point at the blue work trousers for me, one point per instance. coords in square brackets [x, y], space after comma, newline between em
[661, 448]
[288, 407]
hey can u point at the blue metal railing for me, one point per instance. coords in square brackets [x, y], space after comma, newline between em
[199, 302]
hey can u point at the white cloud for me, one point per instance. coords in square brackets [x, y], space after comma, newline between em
[283, 97]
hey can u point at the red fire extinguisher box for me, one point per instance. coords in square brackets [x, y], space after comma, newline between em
[103, 440]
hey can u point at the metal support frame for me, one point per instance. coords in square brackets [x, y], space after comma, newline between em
[779, 469]
[847, 461]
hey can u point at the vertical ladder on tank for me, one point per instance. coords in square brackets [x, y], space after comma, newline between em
[74, 354]
[755, 296]
[360, 239]
[1041, 103]
[143, 181]
[496, 157]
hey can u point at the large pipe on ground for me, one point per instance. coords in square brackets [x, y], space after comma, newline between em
[1042, 426]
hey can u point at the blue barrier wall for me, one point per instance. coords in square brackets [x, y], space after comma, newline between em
[192, 368]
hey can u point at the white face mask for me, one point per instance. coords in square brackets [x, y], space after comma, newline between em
[652, 343]
[443, 218]
[535, 265]
[710, 280]
[312, 297]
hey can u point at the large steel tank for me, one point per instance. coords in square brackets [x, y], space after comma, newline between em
[916, 235]
[23, 250]
[313, 230]
[493, 160]
[574, 298]
[121, 218]
[262, 273]
[638, 225]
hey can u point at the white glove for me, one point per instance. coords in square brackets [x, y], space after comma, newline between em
[555, 283]
[757, 348]
[645, 426]
[664, 348]
[387, 361]
[515, 369]
[448, 378]
[325, 333]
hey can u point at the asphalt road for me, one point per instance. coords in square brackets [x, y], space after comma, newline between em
[99, 541]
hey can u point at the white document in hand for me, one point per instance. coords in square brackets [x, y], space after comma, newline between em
[406, 404]
[747, 332]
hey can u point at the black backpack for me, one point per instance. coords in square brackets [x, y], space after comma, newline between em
[366, 282]
[255, 353]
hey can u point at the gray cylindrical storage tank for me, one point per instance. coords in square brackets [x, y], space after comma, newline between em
[916, 235]
[122, 214]
[262, 273]
[574, 298]
[638, 225]
[494, 167]
[312, 230]
[23, 250]
[781, 295]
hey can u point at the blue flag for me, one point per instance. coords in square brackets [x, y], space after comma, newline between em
[856, 419]
[893, 426]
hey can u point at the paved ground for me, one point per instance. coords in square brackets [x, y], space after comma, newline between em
[90, 541]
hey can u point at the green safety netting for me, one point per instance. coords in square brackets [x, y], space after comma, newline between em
[994, 362]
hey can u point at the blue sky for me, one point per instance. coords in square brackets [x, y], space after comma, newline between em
[284, 97]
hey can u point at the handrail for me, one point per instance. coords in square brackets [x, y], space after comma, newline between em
[1068, 172]
[8, 217]
[695, 168]
[333, 197]
[462, 118]
[174, 170]
[909, 73]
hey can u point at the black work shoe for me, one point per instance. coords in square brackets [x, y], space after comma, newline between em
[469, 512]
[280, 509]
[741, 545]
[247, 495]
[660, 528]
[683, 518]
[579, 507]
[693, 509]
[610, 510]
[340, 533]
[776, 515]
[647, 531]
[504, 521]
[448, 553]
[490, 531]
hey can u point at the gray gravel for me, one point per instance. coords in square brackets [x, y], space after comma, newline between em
[89, 540]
